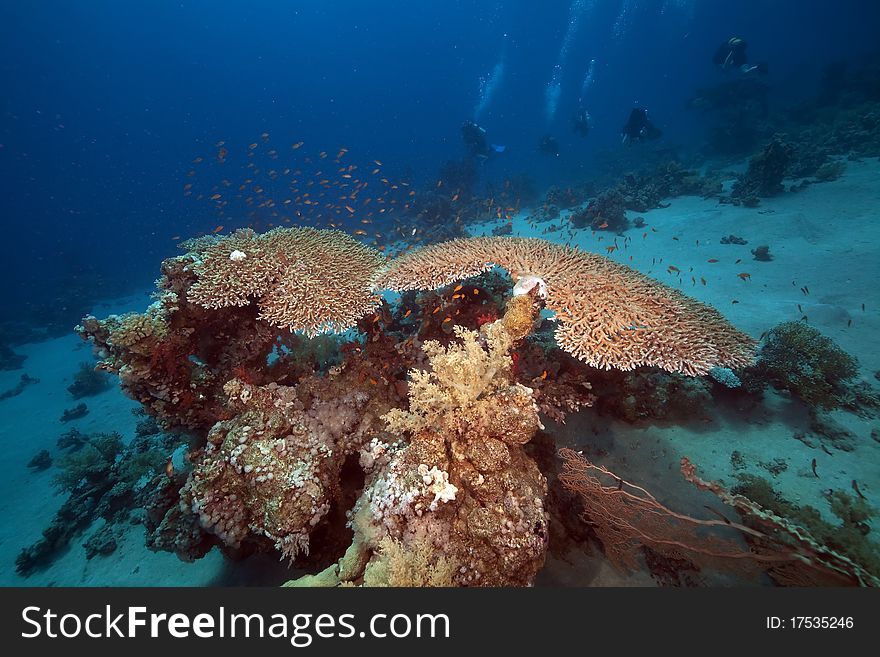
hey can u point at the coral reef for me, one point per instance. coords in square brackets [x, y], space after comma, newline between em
[797, 358]
[395, 457]
[765, 173]
[657, 326]
[105, 479]
[606, 212]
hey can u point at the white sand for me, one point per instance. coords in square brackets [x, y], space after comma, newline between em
[824, 237]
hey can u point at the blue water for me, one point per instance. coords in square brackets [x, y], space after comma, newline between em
[105, 104]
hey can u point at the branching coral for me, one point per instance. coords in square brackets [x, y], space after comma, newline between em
[305, 279]
[609, 315]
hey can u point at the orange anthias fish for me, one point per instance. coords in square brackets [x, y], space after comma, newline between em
[744, 276]
[218, 229]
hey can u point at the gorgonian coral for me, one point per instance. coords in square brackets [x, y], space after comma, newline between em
[316, 281]
[610, 316]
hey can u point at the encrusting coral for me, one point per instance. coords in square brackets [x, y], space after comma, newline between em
[609, 315]
[316, 281]
[273, 470]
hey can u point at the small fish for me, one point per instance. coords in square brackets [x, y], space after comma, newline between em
[543, 375]
[744, 276]
[215, 197]
[863, 307]
[350, 209]
[414, 230]
[603, 225]
[407, 314]
[849, 323]
[800, 310]
[169, 469]
[813, 466]
[457, 288]
[702, 280]
[734, 301]
[855, 487]
[738, 261]
[378, 163]
[644, 235]
[610, 249]
[675, 238]
[673, 268]
[805, 290]
[455, 198]
[712, 260]
[360, 232]
[297, 145]
[218, 229]
[252, 147]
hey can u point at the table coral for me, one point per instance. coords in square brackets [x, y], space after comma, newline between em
[610, 316]
[304, 279]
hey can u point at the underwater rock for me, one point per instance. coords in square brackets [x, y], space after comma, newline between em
[774, 467]
[102, 542]
[733, 239]
[88, 382]
[830, 171]
[73, 440]
[19, 387]
[9, 360]
[40, 461]
[762, 253]
[832, 432]
[75, 413]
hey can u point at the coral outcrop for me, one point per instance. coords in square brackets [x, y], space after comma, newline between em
[456, 486]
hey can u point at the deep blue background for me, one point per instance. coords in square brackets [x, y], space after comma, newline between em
[106, 103]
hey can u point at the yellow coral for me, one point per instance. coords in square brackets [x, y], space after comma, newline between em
[460, 375]
[414, 565]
